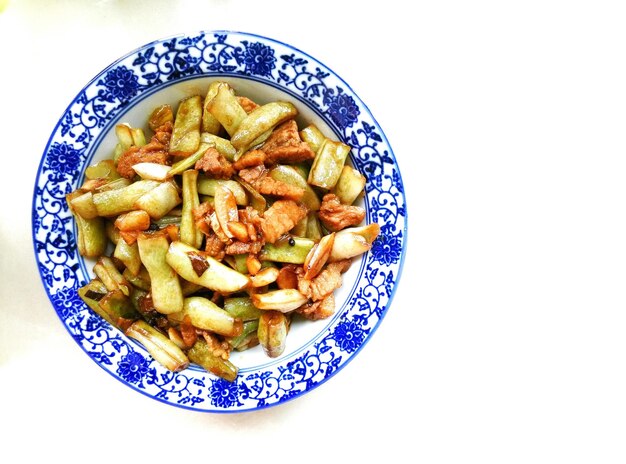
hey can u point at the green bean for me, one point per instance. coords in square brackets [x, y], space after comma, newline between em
[118, 305]
[312, 135]
[91, 238]
[226, 109]
[129, 255]
[261, 120]
[186, 133]
[158, 345]
[122, 200]
[285, 252]
[189, 161]
[91, 294]
[248, 333]
[216, 276]
[202, 355]
[242, 308]
[104, 169]
[165, 286]
[110, 276]
[349, 186]
[141, 280]
[272, 333]
[222, 145]
[189, 233]
[159, 201]
[207, 186]
[291, 176]
[328, 163]
[209, 123]
[206, 315]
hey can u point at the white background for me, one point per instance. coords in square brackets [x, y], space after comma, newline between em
[506, 340]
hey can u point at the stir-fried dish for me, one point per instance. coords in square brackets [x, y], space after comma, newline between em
[215, 233]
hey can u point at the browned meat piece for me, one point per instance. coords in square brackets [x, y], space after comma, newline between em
[163, 134]
[156, 151]
[284, 145]
[136, 155]
[187, 332]
[315, 310]
[214, 164]
[326, 281]
[217, 347]
[281, 218]
[242, 248]
[258, 178]
[249, 159]
[214, 246]
[336, 216]
[250, 217]
[201, 214]
[247, 104]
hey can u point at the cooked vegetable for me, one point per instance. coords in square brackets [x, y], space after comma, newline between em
[328, 164]
[260, 121]
[221, 145]
[128, 254]
[272, 332]
[353, 241]
[216, 276]
[189, 232]
[312, 135]
[226, 109]
[91, 237]
[349, 186]
[159, 201]
[208, 186]
[188, 162]
[205, 314]
[121, 200]
[248, 336]
[284, 300]
[242, 308]
[83, 205]
[158, 345]
[224, 224]
[133, 220]
[164, 284]
[110, 276]
[186, 134]
[290, 175]
[209, 123]
[201, 354]
[152, 171]
[293, 250]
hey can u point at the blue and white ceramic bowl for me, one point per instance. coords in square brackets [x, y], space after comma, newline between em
[165, 71]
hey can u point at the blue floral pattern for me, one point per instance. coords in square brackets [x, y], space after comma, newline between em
[133, 367]
[224, 394]
[349, 336]
[342, 108]
[387, 248]
[63, 159]
[119, 83]
[94, 112]
[259, 59]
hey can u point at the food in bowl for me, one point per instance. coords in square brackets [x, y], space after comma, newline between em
[220, 229]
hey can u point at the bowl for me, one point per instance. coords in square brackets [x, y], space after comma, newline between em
[165, 71]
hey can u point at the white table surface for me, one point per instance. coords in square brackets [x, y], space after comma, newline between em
[506, 339]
